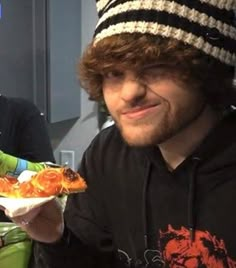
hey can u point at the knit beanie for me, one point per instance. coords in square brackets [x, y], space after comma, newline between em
[208, 25]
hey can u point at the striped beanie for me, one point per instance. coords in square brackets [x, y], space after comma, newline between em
[208, 25]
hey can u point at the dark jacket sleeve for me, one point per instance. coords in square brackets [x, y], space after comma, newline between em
[33, 134]
[24, 131]
[70, 251]
[87, 241]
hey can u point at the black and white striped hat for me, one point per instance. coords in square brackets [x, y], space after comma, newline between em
[208, 25]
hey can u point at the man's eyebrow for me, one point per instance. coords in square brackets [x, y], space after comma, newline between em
[156, 65]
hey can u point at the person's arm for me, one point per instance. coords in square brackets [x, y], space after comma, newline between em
[34, 142]
[67, 250]
[24, 132]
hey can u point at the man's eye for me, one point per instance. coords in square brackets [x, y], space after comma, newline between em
[153, 75]
[113, 74]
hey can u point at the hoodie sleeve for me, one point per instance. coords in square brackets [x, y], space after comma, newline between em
[24, 131]
[87, 239]
[70, 251]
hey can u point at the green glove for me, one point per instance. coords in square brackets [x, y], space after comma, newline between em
[13, 166]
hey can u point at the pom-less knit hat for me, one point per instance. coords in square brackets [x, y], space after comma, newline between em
[208, 25]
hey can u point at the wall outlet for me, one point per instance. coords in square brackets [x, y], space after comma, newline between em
[67, 158]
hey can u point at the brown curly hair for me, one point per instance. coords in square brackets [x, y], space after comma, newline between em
[132, 51]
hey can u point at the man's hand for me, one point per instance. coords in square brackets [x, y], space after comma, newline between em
[44, 223]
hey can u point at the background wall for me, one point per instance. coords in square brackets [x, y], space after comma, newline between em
[75, 135]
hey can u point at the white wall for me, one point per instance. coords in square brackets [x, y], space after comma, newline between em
[76, 134]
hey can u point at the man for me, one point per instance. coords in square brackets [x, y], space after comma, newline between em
[161, 181]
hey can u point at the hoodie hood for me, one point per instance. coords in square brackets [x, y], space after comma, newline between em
[216, 153]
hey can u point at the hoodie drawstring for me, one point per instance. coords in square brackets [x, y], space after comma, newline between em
[191, 199]
[144, 208]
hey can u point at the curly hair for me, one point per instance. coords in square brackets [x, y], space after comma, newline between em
[132, 51]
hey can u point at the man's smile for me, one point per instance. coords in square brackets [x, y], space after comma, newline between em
[140, 112]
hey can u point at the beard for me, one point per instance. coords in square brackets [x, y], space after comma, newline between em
[159, 128]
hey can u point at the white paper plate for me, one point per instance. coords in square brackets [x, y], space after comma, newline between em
[20, 206]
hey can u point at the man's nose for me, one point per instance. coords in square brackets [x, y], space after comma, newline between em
[132, 88]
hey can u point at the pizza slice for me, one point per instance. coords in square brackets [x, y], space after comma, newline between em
[45, 183]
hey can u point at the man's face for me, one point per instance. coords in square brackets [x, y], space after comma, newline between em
[151, 109]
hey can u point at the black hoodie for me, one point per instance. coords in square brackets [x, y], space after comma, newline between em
[136, 213]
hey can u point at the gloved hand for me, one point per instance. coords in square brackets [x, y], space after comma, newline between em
[13, 166]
